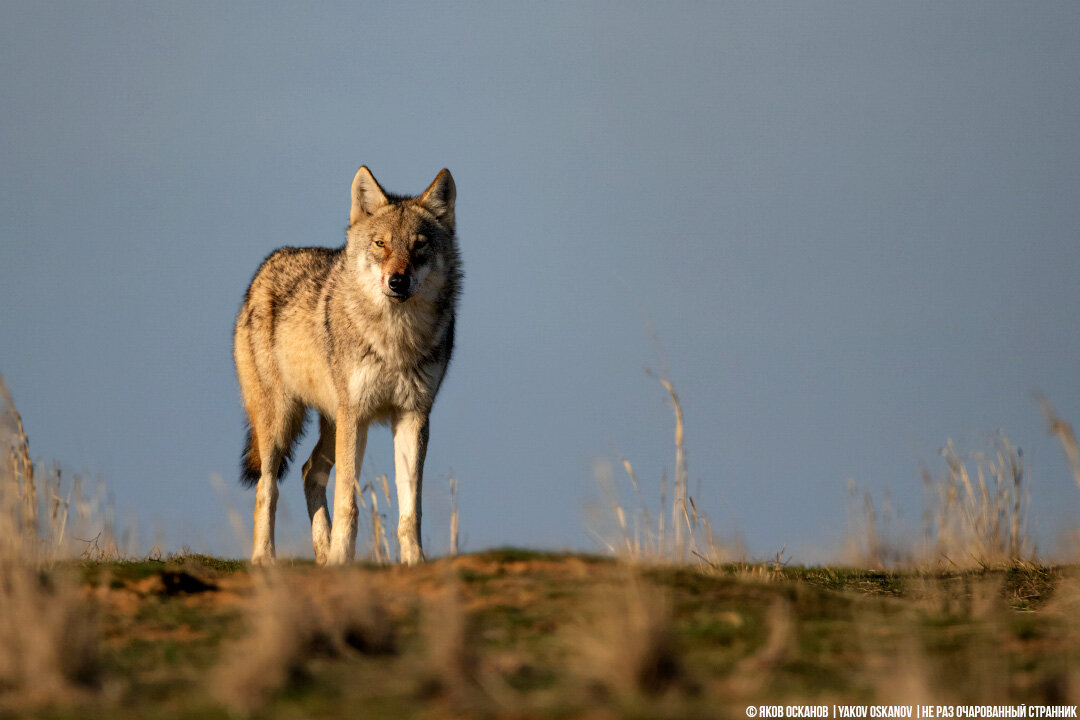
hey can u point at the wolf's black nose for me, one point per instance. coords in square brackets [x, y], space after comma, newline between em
[398, 283]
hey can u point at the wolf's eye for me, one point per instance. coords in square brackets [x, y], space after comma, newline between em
[420, 242]
[380, 243]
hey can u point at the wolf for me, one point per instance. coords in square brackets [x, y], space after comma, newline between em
[362, 334]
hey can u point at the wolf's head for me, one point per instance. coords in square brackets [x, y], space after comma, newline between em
[402, 246]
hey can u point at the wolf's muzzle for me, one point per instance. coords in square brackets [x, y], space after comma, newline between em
[399, 284]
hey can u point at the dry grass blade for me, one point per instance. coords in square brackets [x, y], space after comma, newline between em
[453, 517]
[754, 672]
[293, 620]
[980, 519]
[976, 516]
[873, 535]
[606, 479]
[630, 649]
[452, 665]
[281, 626]
[1064, 432]
[642, 521]
[49, 637]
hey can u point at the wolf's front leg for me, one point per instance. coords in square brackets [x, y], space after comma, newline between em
[410, 448]
[349, 440]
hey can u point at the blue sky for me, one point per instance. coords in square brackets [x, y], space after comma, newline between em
[853, 227]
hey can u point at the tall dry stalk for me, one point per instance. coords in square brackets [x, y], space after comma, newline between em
[680, 518]
[661, 548]
[637, 536]
[380, 544]
[453, 517]
[20, 496]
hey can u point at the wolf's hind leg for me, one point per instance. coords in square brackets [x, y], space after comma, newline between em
[275, 433]
[266, 495]
[316, 475]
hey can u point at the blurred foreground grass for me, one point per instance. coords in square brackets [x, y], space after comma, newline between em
[527, 634]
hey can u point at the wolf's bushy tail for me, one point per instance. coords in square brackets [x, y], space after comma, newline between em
[251, 459]
[250, 462]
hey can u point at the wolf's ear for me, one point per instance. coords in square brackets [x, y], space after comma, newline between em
[439, 198]
[367, 196]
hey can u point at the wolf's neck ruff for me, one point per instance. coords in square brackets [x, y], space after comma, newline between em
[397, 334]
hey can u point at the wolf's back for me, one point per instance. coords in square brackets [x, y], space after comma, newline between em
[285, 273]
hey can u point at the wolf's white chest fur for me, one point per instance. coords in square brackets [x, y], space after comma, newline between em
[390, 376]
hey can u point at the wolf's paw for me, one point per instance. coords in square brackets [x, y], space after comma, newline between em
[336, 557]
[262, 559]
[411, 555]
[322, 550]
[321, 543]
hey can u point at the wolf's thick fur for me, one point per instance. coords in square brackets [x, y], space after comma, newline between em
[362, 333]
